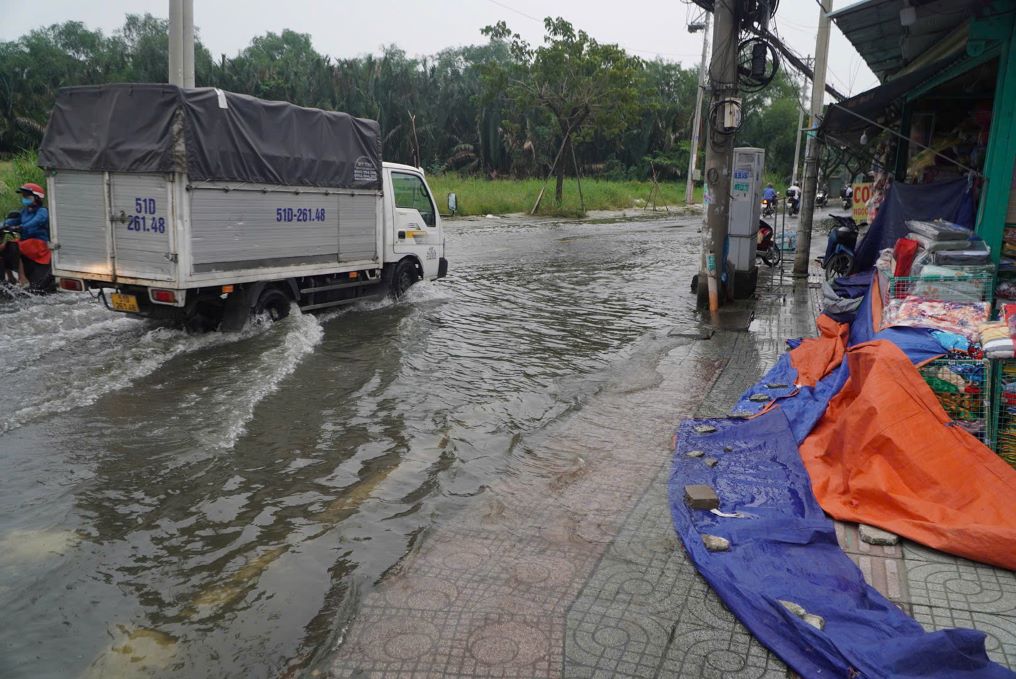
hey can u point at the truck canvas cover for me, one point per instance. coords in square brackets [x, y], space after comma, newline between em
[211, 135]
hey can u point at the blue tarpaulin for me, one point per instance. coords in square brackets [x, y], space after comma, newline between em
[809, 402]
[952, 201]
[784, 548]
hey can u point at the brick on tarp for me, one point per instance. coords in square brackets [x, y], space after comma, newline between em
[701, 496]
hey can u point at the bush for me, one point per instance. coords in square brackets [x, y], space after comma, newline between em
[15, 172]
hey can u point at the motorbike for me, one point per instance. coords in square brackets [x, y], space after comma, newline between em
[846, 193]
[768, 207]
[39, 275]
[839, 258]
[766, 248]
[793, 204]
[821, 197]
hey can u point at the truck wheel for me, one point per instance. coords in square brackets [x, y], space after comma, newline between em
[273, 302]
[404, 277]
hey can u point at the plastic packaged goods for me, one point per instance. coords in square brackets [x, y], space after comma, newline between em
[932, 245]
[962, 257]
[939, 230]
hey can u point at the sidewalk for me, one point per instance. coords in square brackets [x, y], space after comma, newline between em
[576, 570]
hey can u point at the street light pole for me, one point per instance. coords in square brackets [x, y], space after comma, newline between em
[181, 43]
[803, 256]
[689, 191]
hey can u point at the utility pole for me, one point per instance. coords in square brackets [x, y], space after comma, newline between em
[803, 256]
[800, 126]
[181, 43]
[723, 119]
[689, 191]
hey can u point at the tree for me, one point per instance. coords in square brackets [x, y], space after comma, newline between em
[770, 120]
[580, 84]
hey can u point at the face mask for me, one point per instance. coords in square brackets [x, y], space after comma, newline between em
[27, 201]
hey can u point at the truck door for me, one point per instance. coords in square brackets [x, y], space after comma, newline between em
[142, 226]
[416, 222]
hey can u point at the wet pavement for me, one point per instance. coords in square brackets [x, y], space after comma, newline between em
[580, 573]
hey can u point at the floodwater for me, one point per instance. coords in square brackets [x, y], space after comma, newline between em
[181, 505]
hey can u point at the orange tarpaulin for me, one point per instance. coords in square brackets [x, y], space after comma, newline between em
[885, 454]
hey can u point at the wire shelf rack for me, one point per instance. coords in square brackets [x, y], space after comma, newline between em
[963, 386]
[1003, 409]
[963, 287]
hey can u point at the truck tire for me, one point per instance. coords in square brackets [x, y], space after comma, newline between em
[403, 278]
[274, 303]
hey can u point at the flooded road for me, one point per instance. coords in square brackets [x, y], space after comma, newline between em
[216, 505]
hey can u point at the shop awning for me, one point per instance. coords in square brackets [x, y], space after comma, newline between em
[875, 29]
[846, 120]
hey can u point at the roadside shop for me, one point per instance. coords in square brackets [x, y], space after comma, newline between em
[940, 136]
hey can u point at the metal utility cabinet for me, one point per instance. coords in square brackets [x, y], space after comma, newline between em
[742, 228]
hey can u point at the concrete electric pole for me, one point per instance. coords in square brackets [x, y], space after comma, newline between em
[181, 43]
[723, 119]
[803, 255]
[689, 191]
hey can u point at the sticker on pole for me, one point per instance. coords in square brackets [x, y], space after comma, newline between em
[862, 194]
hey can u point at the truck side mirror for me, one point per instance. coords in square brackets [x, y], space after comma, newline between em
[453, 203]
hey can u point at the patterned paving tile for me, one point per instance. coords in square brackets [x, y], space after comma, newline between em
[450, 644]
[1000, 641]
[963, 586]
[709, 643]
[915, 552]
[616, 639]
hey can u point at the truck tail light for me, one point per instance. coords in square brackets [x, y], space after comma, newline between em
[164, 296]
[72, 284]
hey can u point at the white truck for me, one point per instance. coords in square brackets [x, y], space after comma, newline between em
[206, 206]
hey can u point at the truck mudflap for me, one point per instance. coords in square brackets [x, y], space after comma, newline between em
[442, 267]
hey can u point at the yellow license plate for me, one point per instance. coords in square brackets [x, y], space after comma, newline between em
[124, 303]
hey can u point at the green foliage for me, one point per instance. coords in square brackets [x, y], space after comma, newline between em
[15, 172]
[496, 110]
[477, 196]
[770, 120]
[573, 82]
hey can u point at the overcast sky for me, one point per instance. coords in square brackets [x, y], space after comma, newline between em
[341, 28]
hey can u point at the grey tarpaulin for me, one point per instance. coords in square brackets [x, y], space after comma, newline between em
[224, 136]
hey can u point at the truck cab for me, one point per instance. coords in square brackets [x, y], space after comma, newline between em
[412, 221]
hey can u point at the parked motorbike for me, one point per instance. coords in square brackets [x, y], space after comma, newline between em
[766, 248]
[839, 257]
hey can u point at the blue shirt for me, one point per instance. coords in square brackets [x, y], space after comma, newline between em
[34, 223]
[769, 193]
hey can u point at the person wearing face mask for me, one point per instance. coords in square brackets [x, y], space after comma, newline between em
[32, 226]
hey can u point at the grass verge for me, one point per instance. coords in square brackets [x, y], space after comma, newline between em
[14, 173]
[503, 196]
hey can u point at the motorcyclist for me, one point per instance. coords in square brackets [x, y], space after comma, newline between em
[769, 193]
[32, 226]
[847, 194]
[794, 198]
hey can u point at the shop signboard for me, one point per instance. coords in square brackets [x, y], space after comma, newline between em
[862, 194]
